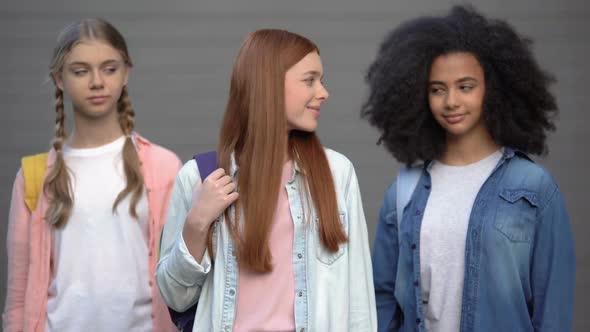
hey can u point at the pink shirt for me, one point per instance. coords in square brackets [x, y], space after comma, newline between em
[266, 301]
[29, 243]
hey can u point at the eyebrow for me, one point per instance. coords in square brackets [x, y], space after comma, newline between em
[313, 72]
[82, 63]
[461, 80]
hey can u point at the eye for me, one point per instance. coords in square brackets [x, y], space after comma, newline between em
[111, 69]
[79, 71]
[466, 88]
[436, 90]
[309, 81]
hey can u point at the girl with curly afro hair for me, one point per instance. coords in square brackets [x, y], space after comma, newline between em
[483, 242]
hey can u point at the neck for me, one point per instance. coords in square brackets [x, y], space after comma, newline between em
[90, 133]
[468, 148]
[288, 154]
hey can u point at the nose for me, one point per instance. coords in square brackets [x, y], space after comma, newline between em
[451, 99]
[96, 80]
[322, 93]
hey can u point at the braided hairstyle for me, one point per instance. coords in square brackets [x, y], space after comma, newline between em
[58, 185]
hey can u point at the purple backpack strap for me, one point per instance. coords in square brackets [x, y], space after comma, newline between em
[184, 321]
[207, 163]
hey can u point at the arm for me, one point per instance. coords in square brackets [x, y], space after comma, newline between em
[194, 205]
[17, 244]
[362, 312]
[385, 259]
[553, 268]
[178, 275]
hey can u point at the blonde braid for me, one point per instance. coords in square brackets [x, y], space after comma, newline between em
[58, 186]
[131, 163]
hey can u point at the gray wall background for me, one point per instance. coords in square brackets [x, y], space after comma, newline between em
[183, 52]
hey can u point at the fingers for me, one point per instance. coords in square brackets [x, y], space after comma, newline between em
[215, 175]
[224, 180]
[228, 188]
[232, 197]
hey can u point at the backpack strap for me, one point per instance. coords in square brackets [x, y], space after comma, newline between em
[207, 163]
[407, 179]
[34, 168]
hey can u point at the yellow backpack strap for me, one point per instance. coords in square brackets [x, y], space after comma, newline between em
[34, 168]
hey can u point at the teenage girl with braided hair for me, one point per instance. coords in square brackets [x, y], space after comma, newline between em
[84, 255]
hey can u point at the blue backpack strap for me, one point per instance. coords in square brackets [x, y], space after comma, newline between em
[407, 179]
[207, 163]
[184, 321]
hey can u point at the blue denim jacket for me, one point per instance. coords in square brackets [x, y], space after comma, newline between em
[333, 291]
[519, 255]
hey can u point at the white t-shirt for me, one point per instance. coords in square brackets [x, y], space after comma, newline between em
[100, 258]
[442, 239]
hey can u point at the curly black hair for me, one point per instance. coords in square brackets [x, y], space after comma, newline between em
[518, 107]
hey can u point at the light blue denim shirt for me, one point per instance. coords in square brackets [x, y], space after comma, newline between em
[333, 291]
[519, 255]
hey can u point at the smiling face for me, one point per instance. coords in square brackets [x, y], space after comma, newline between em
[93, 76]
[304, 93]
[456, 90]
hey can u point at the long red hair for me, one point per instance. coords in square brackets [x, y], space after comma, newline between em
[254, 128]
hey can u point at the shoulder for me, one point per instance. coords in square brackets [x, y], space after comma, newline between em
[343, 172]
[338, 162]
[156, 156]
[188, 175]
[525, 175]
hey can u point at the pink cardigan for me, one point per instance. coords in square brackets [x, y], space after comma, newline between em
[29, 243]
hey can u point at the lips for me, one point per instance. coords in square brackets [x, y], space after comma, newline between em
[454, 118]
[314, 109]
[97, 100]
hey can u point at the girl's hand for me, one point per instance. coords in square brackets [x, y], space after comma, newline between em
[210, 199]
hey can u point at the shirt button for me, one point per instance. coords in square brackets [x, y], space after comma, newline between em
[150, 254]
[299, 256]
[413, 246]
[300, 294]
[298, 217]
[427, 186]
[227, 328]
[418, 320]
[417, 212]
[302, 330]
[416, 283]
[232, 292]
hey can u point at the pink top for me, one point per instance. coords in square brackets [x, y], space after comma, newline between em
[29, 243]
[266, 301]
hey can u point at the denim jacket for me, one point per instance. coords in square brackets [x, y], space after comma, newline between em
[519, 255]
[333, 291]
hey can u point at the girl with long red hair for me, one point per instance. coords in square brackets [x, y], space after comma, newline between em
[275, 239]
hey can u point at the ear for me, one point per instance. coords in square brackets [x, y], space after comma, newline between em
[58, 81]
[126, 79]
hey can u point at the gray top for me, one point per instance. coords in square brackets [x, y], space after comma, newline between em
[442, 239]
